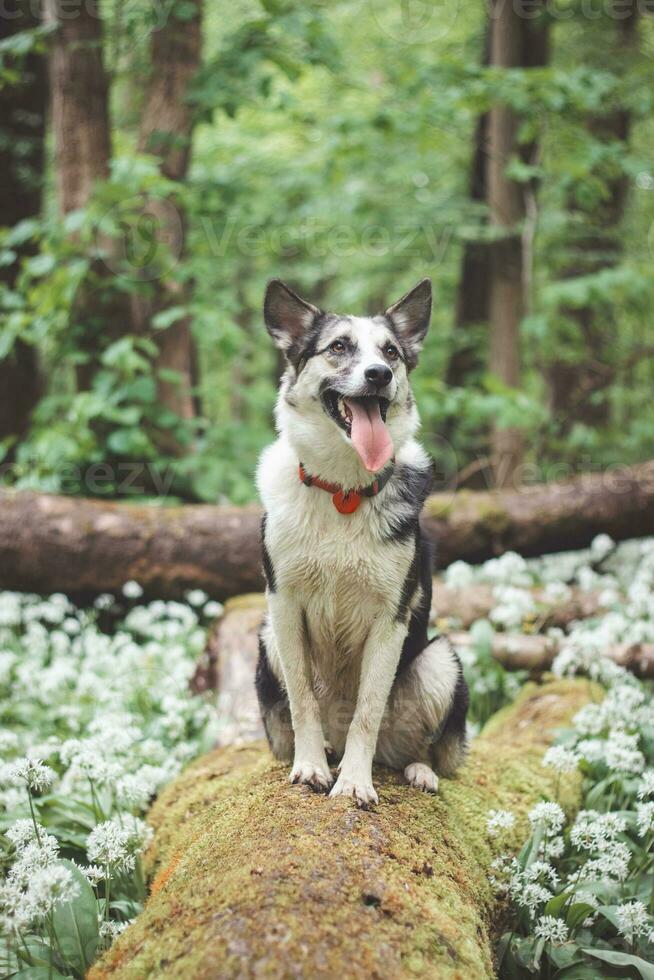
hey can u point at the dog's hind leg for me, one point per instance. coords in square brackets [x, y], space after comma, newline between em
[424, 726]
[273, 703]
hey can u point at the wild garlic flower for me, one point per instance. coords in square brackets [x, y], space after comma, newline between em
[117, 843]
[561, 759]
[646, 786]
[622, 753]
[549, 815]
[459, 575]
[37, 776]
[499, 820]
[645, 818]
[132, 590]
[22, 832]
[531, 895]
[551, 929]
[633, 920]
[49, 887]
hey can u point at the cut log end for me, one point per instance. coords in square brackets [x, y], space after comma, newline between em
[254, 877]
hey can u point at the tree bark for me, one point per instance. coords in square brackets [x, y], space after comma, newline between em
[22, 111]
[507, 212]
[578, 390]
[79, 546]
[79, 101]
[252, 877]
[166, 130]
[79, 110]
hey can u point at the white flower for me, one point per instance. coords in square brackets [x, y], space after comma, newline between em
[532, 895]
[213, 610]
[32, 771]
[132, 590]
[459, 575]
[601, 546]
[116, 843]
[51, 886]
[196, 597]
[645, 818]
[22, 832]
[646, 786]
[498, 820]
[561, 759]
[93, 873]
[633, 920]
[550, 815]
[551, 929]
[622, 753]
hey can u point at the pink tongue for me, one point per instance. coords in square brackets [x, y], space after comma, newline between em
[370, 436]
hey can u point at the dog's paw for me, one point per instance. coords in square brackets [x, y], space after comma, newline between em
[360, 790]
[422, 777]
[313, 774]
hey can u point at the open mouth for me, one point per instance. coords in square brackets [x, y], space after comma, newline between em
[363, 420]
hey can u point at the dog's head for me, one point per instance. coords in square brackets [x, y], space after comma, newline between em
[347, 387]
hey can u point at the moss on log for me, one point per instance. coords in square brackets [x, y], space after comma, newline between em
[255, 878]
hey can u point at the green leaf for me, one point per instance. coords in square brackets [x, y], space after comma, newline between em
[615, 958]
[577, 913]
[555, 905]
[167, 317]
[37, 973]
[76, 924]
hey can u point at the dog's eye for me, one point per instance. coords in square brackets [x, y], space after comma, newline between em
[391, 352]
[337, 347]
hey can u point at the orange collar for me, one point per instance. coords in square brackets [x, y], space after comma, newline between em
[347, 501]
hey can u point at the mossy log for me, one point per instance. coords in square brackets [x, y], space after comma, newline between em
[77, 546]
[252, 877]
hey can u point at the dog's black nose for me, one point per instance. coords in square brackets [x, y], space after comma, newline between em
[378, 375]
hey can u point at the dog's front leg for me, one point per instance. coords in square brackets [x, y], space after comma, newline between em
[381, 656]
[310, 762]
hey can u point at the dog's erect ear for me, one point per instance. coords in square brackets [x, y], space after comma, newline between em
[287, 316]
[410, 319]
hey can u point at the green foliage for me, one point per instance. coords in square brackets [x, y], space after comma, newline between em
[334, 152]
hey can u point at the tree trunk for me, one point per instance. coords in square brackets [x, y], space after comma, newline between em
[467, 361]
[578, 392]
[77, 546]
[507, 213]
[166, 131]
[252, 877]
[79, 101]
[79, 109]
[22, 135]
[473, 302]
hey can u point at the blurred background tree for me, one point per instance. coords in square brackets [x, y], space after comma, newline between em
[194, 151]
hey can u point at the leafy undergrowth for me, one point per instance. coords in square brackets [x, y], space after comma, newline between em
[582, 894]
[96, 717]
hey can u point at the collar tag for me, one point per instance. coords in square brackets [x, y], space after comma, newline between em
[346, 503]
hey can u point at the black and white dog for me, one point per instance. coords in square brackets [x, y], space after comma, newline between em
[344, 653]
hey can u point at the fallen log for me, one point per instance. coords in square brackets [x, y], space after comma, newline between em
[536, 653]
[81, 546]
[465, 606]
[253, 877]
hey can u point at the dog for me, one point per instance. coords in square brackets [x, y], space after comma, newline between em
[345, 663]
